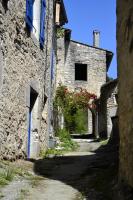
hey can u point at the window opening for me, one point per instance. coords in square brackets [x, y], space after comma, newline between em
[80, 72]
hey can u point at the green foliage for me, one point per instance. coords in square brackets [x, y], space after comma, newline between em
[55, 152]
[42, 153]
[66, 99]
[3, 181]
[104, 142]
[73, 105]
[61, 100]
[63, 135]
[69, 145]
[21, 172]
[81, 123]
[60, 32]
[66, 141]
[9, 174]
[76, 121]
[6, 176]
[8, 171]
[66, 144]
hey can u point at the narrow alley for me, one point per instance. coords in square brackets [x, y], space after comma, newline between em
[66, 100]
[88, 173]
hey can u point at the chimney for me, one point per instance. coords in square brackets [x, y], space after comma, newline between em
[96, 38]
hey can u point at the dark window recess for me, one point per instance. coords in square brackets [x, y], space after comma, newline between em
[33, 97]
[80, 72]
[116, 97]
[45, 99]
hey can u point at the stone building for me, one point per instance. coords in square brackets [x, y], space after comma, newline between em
[82, 65]
[60, 18]
[125, 84]
[27, 58]
[107, 109]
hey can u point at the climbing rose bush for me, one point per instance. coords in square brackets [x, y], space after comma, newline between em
[73, 106]
[80, 98]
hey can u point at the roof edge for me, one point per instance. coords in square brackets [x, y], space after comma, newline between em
[91, 46]
[109, 54]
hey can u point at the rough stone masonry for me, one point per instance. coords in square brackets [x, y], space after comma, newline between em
[125, 85]
[71, 54]
[24, 80]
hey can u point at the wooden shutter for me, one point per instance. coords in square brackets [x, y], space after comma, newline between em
[29, 13]
[42, 23]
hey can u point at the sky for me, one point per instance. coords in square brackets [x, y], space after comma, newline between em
[84, 16]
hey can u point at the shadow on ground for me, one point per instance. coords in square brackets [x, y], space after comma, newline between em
[82, 136]
[92, 175]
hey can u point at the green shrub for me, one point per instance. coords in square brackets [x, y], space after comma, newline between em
[63, 135]
[55, 152]
[6, 176]
[81, 123]
[66, 142]
[73, 105]
[9, 174]
[60, 32]
[69, 145]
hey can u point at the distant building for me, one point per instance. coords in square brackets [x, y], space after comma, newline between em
[82, 65]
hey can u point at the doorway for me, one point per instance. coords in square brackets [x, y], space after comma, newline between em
[33, 135]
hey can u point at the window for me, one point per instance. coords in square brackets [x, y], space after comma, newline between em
[80, 72]
[35, 18]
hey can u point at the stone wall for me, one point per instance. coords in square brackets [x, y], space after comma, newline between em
[125, 74]
[107, 108]
[23, 65]
[70, 52]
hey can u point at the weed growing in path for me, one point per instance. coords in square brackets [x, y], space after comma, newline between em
[66, 144]
[6, 176]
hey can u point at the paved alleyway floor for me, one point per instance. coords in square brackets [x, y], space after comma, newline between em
[90, 173]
